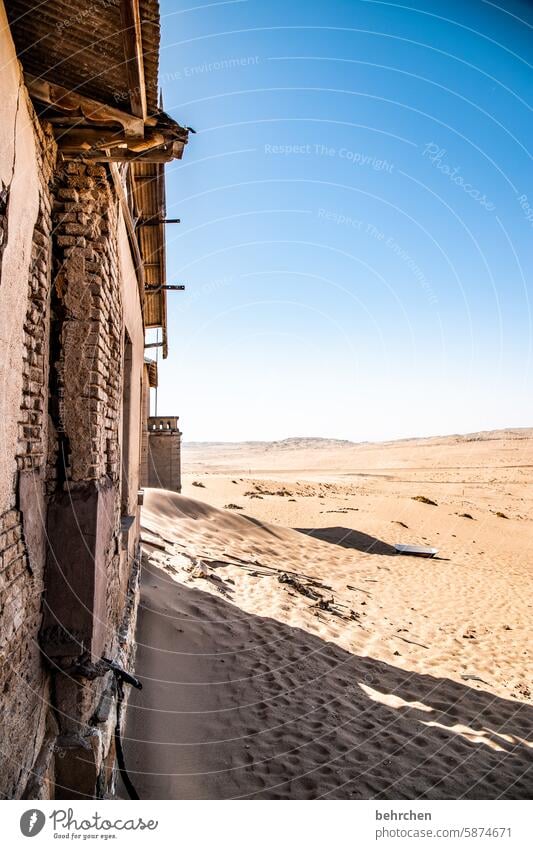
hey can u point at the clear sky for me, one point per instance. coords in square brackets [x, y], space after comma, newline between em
[357, 218]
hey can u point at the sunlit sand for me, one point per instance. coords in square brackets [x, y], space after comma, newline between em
[287, 651]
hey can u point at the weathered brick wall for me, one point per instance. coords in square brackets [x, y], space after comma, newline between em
[87, 388]
[88, 323]
[24, 680]
[68, 453]
[90, 337]
[84, 610]
[68, 590]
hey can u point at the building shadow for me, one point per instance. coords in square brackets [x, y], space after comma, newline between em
[348, 538]
[236, 705]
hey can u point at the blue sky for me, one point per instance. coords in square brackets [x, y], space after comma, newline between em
[357, 218]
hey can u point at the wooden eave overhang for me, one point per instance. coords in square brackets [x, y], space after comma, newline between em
[102, 133]
[148, 186]
[91, 70]
[151, 367]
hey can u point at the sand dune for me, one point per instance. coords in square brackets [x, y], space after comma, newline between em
[288, 652]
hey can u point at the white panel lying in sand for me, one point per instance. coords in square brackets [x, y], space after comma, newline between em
[417, 550]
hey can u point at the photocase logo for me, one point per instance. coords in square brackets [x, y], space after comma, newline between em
[32, 822]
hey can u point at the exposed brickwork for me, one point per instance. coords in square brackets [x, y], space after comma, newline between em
[32, 431]
[88, 316]
[13, 559]
[86, 396]
[24, 680]
[56, 726]
[68, 441]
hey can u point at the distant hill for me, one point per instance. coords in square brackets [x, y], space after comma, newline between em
[292, 443]
[295, 443]
[306, 454]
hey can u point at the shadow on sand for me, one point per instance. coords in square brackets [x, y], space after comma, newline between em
[348, 538]
[236, 705]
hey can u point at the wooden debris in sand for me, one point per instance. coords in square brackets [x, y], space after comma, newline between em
[468, 677]
[200, 570]
[329, 605]
[358, 590]
[283, 492]
[154, 541]
[303, 589]
[425, 500]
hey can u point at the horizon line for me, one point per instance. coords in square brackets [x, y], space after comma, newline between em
[466, 434]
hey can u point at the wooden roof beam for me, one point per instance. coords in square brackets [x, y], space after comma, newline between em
[86, 137]
[130, 229]
[60, 98]
[133, 52]
[157, 155]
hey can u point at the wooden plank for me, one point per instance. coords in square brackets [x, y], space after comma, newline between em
[133, 52]
[118, 155]
[67, 101]
[83, 137]
[138, 263]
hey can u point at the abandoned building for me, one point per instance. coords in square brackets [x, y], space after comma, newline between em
[161, 441]
[83, 146]
[164, 453]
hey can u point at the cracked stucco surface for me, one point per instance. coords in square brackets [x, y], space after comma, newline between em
[18, 170]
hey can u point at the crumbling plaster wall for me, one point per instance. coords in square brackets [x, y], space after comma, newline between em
[91, 576]
[27, 156]
[20, 181]
[68, 292]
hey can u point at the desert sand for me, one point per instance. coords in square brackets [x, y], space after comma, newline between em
[287, 651]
